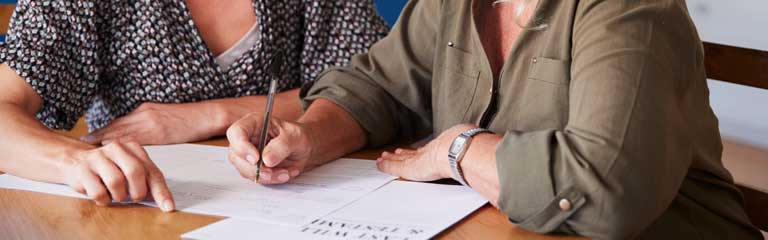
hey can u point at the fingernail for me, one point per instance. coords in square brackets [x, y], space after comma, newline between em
[266, 176]
[266, 159]
[88, 138]
[167, 206]
[294, 172]
[283, 177]
[251, 159]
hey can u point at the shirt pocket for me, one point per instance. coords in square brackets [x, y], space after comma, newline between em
[545, 96]
[550, 70]
[455, 87]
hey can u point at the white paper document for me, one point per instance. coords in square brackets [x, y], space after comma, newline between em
[203, 181]
[398, 211]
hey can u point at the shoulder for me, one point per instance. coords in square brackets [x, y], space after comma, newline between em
[68, 7]
[338, 7]
[79, 13]
[640, 10]
[653, 20]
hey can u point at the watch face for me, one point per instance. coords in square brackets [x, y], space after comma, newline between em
[458, 144]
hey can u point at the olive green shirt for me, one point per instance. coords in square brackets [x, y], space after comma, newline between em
[607, 107]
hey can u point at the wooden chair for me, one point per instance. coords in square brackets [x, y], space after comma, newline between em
[747, 67]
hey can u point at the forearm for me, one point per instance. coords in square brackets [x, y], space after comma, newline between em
[479, 166]
[224, 112]
[333, 131]
[31, 150]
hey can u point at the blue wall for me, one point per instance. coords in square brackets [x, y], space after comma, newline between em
[390, 9]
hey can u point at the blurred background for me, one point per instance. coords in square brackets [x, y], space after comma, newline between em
[743, 111]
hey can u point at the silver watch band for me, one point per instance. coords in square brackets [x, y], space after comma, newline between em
[454, 157]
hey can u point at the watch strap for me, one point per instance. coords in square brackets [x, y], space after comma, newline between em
[455, 159]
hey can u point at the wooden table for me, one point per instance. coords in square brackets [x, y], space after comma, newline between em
[29, 215]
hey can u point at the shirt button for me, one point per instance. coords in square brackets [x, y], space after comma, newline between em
[565, 205]
[450, 44]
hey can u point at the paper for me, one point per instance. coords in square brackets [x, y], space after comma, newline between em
[398, 211]
[202, 181]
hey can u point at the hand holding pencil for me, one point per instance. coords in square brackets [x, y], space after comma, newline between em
[255, 156]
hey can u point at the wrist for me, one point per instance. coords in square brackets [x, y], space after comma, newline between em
[468, 138]
[482, 150]
[334, 133]
[225, 112]
[448, 137]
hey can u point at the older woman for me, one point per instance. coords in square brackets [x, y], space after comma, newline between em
[592, 119]
[155, 72]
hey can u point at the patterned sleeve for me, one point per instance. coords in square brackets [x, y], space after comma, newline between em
[53, 46]
[337, 30]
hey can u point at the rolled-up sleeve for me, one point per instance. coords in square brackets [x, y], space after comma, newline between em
[387, 90]
[54, 46]
[627, 147]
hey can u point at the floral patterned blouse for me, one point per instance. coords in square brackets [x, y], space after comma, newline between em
[108, 57]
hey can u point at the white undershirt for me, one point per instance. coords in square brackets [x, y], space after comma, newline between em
[228, 57]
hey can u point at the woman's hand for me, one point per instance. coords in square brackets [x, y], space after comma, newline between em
[155, 124]
[284, 157]
[119, 172]
[428, 163]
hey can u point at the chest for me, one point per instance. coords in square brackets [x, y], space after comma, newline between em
[498, 31]
[489, 69]
[222, 23]
[160, 51]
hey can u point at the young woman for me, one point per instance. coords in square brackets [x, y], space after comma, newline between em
[155, 72]
[591, 120]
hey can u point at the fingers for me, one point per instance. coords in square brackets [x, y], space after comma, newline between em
[294, 172]
[94, 188]
[270, 176]
[245, 168]
[391, 166]
[114, 130]
[267, 176]
[122, 170]
[399, 155]
[409, 164]
[125, 138]
[283, 158]
[132, 166]
[395, 163]
[403, 151]
[113, 179]
[278, 150]
[153, 178]
[119, 129]
[239, 136]
[159, 189]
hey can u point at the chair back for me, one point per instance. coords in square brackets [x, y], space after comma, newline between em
[746, 67]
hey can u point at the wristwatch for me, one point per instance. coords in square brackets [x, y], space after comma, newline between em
[458, 149]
